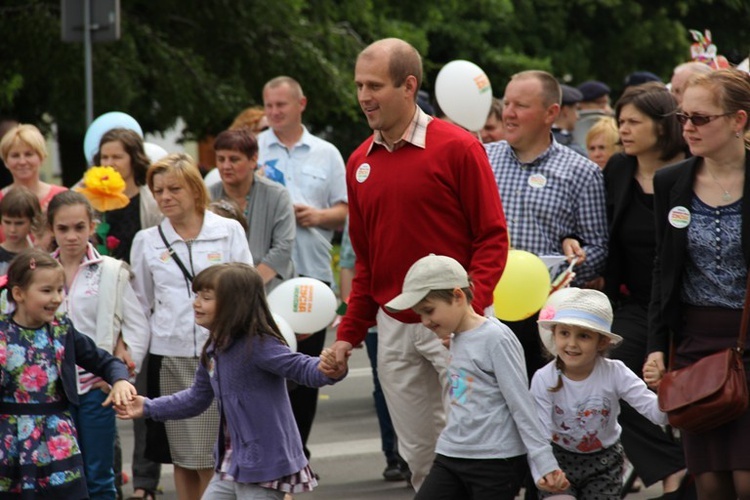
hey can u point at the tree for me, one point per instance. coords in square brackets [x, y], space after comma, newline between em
[206, 61]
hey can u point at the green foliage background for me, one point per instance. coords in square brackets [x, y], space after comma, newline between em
[206, 60]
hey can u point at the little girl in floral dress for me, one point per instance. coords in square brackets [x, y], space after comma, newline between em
[39, 351]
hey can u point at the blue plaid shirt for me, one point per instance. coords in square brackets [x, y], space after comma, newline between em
[560, 194]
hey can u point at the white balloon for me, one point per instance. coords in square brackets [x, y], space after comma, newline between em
[154, 151]
[212, 178]
[286, 331]
[307, 304]
[464, 93]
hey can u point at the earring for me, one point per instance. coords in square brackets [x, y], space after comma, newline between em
[737, 134]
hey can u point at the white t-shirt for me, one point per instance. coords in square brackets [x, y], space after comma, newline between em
[582, 416]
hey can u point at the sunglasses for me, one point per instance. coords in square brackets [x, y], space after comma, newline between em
[698, 120]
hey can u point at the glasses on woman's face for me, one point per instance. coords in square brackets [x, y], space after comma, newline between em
[698, 120]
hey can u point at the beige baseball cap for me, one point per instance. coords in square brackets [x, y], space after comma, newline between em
[434, 272]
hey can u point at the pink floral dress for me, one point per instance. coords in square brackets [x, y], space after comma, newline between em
[39, 454]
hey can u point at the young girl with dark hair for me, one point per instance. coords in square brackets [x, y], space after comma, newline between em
[122, 149]
[39, 352]
[244, 364]
[100, 301]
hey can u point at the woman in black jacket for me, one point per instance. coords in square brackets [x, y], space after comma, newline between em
[651, 138]
[702, 256]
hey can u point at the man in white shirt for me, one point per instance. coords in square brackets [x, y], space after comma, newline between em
[313, 171]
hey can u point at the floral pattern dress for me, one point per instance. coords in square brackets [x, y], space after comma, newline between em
[39, 453]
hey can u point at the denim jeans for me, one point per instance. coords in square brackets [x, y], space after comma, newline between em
[96, 437]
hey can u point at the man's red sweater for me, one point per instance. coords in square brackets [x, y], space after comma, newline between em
[413, 202]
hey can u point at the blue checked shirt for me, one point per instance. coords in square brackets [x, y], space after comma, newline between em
[560, 194]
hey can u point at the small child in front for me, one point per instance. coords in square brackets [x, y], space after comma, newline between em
[492, 424]
[578, 394]
[20, 214]
[245, 364]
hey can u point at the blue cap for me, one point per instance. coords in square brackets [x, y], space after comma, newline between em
[593, 90]
[570, 95]
[639, 77]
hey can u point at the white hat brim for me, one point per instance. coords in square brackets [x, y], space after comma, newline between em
[545, 332]
[406, 300]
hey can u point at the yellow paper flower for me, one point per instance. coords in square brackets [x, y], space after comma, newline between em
[104, 188]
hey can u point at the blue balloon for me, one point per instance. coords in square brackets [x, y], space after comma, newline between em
[102, 125]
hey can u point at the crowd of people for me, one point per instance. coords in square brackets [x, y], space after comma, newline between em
[169, 293]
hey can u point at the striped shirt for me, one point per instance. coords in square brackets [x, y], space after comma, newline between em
[415, 133]
[557, 195]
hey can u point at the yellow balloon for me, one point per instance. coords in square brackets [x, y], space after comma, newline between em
[523, 288]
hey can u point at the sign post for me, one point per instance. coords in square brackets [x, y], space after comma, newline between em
[90, 21]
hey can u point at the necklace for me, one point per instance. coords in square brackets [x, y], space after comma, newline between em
[726, 196]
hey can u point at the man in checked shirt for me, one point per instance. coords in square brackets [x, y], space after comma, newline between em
[553, 198]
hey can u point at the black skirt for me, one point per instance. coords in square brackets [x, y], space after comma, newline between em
[707, 330]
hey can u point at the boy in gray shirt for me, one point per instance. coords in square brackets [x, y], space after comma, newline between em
[493, 425]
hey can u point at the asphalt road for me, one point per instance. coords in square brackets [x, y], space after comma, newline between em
[345, 445]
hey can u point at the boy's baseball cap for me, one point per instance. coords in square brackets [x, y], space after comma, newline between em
[434, 272]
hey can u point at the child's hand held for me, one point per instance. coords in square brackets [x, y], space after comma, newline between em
[652, 374]
[554, 482]
[132, 410]
[328, 364]
[122, 393]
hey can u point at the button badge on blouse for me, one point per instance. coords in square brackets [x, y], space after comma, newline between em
[679, 217]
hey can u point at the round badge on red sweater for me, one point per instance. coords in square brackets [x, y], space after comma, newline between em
[363, 172]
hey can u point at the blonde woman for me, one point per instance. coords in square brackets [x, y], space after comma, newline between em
[602, 141]
[23, 150]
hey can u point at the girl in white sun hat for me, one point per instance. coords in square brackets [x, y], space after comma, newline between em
[578, 393]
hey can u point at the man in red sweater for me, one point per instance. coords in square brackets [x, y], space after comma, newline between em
[417, 186]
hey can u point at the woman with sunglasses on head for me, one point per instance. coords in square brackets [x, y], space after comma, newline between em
[651, 138]
[702, 256]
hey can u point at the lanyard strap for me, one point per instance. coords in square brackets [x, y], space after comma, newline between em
[175, 257]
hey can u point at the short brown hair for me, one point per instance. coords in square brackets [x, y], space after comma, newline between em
[551, 90]
[403, 60]
[655, 101]
[285, 80]
[241, 140]
[446, 295]
[184, 168]
[21, 202]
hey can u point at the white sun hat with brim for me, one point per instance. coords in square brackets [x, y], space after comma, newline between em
[588, 309]
[434, 272]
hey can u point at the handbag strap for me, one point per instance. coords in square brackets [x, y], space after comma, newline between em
[175, 257]
[741, 338]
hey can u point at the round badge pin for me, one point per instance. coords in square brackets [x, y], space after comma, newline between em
[537, 181]
[679, 217]
[363, 172]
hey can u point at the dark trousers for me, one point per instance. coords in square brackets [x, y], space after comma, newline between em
[653, 452]
[145, 472]
[387, 434]
[472, 479]
[305, 399]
